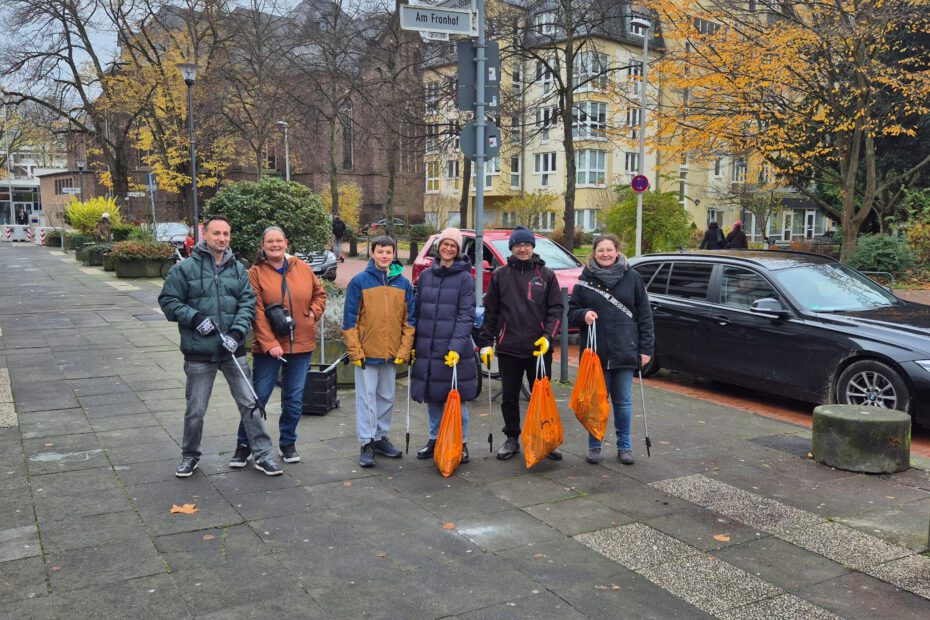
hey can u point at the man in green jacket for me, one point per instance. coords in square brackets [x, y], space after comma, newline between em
[210, 298]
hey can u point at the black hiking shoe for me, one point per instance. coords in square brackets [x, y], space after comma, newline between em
[555, 455]
[289, 454]
[367, 457]
[510, 448]
[241, 457]
[186, 468]
[426, 452]
[465, 458]
[384, 447]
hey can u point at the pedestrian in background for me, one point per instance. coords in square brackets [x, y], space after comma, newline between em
[713, 238]
[522, 312]
[21, 218]
[290, 301]
[378, 325]
[103, 229]
[445, 311]
[736, 239]
[339, 229]
[210, 298]
[611, 296]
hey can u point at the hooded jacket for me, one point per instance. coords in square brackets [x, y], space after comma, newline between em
[445, 310]
[379, 316]
[523, 302]
[624, 324]
[198, 288]
[305, 300]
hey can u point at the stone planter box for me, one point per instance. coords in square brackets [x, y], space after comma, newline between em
[108, 263]
[138, 268]
[95, 259]
[81, 255]
[75, 242]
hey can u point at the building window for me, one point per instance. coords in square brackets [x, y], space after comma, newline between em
[432, 176]
[508, 219]
[634, 75]
[432, 92]
[61, 184]
[544, 75]
[704, 26]
[591, 168]
[713, 215]
[632, 121]
[544, 23]
[516, 129]
[589, 120]
[515, 172]
[765, 173]
[516, 72]
[543, 221]
[546, 118]
[718, 166]
[492, 168]
[433, 132]
[544, 165]
[631, 163]
[590, 71]
[739, 170]
[636, 29]
[452, 169]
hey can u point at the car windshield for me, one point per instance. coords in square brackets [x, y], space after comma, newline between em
[554, 256]
[832, 287]
[171, 229]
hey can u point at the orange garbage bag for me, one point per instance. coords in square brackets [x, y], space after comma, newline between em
[542, 430]
[448, 450]
[589, 396]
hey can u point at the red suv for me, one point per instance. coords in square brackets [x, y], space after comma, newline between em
[567, 268]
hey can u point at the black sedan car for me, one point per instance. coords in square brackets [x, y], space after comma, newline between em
[790, 323]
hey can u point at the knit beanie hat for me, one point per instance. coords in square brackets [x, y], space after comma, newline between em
[521, 235]
[452, 234]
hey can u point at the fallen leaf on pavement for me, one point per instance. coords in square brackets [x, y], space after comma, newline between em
[208, 536]
[347, 483]
[184, 509]
[612, 586]
[539, 555]
[721, 538]
[810, 455]
[448, 525]
[382, 554]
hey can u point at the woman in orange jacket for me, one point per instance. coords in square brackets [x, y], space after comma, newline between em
[290, 301]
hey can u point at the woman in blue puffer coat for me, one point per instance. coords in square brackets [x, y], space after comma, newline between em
[445, 311]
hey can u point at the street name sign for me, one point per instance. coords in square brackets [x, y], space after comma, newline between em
[136, 194]
[429, 19]
[71, 190]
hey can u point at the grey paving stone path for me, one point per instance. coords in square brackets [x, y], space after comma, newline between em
[727, 519]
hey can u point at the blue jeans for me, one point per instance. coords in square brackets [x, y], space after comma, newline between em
[264, 378]
[620, 388]
[200, 378]
[435, 419]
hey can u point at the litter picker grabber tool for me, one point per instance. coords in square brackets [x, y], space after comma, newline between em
[642, 397]
[409, 372]
[248, 382]
[491, 434]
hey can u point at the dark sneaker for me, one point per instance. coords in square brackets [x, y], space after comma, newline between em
[241, 457]
[269, 466]
[426, 452]
[626, 457]
[186, 468]
[465, 453]
[384, 447]
[367, 457]
[594, 456]
[510, 447]
[555, 455]
[289, 454]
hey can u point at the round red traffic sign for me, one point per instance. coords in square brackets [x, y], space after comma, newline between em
[639, 183]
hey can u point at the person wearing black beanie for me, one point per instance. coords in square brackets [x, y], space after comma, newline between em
[521, 235]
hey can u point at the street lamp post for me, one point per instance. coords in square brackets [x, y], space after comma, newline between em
[80, 166]
[287, 152]
[645, 26]
[190, 74]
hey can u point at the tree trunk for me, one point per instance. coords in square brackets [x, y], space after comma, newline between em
[568, 102]
[463, 199]
[333, 180]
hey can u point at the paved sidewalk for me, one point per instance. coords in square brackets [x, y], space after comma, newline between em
[727, 519]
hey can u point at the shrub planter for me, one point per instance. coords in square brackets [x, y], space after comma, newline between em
[74, 242]
[81, 255]
[863, 439]
[138, 268]
[95, 258]
[108, 263]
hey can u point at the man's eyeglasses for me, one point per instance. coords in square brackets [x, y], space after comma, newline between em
[522, 246]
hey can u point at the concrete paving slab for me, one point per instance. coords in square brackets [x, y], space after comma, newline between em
[530, 490]
[120, 422]
[504, 530]
[636, 546]
[19, 542]
[22, 579]
[112, 563]
[910, 573]
[561, 563]
[231, 546]
[856, 595]
[143, 452]
[145, 597]
[90, 531]
[40, 424]
[565, 515]
[48, 486]
[154, 501]
[81, 503]
[784, 565]
[705, 529]
[528, 608]
[784, 607]
[844, 545]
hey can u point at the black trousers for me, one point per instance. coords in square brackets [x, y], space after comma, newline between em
[512, 370]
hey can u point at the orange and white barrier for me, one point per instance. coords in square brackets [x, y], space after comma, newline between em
[40, 232]
[30, 235]
[7, 233]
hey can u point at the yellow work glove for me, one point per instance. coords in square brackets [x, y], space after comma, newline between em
[543, 344]
[413, 355]
[452, 358]
[487, 356]
[399, 361]
[360, 362]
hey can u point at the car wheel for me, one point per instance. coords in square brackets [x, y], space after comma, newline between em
[872, 383]
[652, 367]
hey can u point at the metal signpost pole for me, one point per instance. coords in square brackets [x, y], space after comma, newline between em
[646, 27]
[152, 194]
[481, 74]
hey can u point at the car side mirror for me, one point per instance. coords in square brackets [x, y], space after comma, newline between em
[770, 306]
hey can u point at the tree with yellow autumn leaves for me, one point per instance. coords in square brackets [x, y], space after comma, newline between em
[816, 89]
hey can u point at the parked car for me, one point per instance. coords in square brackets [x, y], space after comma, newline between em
[172, 232]
[323, 263]
[789, 323]
[380, 227]
[567, 268]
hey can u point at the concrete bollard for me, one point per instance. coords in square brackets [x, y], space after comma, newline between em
[863, 439]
